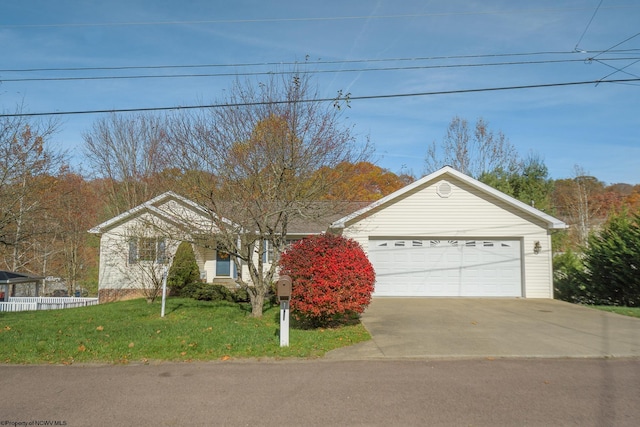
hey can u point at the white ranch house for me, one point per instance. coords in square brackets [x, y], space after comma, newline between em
[146, 237]
[445, 235]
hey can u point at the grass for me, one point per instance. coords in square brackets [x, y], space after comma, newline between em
[626, 311]
[133, 331]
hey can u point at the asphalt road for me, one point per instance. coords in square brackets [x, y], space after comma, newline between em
[477, 392]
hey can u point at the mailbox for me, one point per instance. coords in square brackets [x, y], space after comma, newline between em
[284, 288]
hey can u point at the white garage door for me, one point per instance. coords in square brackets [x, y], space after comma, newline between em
[448, 268]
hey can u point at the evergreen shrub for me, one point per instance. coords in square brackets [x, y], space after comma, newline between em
[184, 270]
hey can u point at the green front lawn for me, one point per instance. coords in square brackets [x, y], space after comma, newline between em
[627, 311]
[133, 331]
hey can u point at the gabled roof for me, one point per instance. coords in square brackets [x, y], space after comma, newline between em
[552, 223]
[296, 226]
[152, 206]
[330, 211]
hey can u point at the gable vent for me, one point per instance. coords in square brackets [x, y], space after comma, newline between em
[444, 189]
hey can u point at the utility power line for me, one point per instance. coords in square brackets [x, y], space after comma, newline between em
[346, 98]
[616, 45]
[313, 62]
[342, 70]
[588, 25]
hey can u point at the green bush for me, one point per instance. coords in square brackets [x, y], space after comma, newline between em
[273, 295]
[190, 290]
[209, 292]
[240, 295]
[608, 270]
[612, 262]
[184, 270]
[568, 284]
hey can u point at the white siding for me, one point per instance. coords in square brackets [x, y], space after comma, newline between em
[206, 259]
[169, 216]
[196, 220]
[466, 213]
[115, 271]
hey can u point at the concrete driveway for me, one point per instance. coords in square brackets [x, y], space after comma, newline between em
[435, 328]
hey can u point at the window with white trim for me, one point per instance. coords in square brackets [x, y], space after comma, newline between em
[147, 249]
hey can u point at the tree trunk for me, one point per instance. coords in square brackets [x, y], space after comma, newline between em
[257, 304]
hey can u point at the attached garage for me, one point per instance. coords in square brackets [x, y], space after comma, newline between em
[448, 235]
[446, 267]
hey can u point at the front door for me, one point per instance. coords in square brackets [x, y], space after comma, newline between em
[223, 263]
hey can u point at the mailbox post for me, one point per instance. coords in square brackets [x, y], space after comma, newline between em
[283, 287]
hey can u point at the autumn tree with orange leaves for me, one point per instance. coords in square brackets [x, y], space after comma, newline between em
[367, 182]
[26, 163]
[74, 209]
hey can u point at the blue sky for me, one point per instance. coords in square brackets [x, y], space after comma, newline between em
[424, 46]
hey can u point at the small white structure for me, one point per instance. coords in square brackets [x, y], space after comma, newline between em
[449, 235]
[9, 303]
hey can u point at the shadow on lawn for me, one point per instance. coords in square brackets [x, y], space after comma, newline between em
[308, 323]
[173, 308]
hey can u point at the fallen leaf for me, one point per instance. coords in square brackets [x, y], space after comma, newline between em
[131, 345]
[100, 328]
[81, 347]
[184, 353]
[225, 358]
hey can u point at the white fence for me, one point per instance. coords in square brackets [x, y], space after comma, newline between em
[45, 303]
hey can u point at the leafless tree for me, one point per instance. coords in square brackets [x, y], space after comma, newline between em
[126, 153]
[267, 159]
[472, 152]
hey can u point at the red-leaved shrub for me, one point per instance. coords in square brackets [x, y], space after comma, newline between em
[332, 278]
